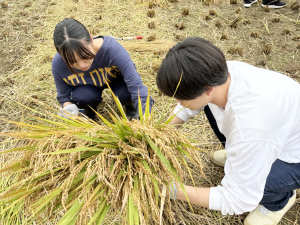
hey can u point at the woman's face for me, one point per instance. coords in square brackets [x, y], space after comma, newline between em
[84, 64]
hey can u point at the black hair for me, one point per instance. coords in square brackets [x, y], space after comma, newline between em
[70, 36]
[190, 68]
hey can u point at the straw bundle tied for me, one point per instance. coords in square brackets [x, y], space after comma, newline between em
[86, 169]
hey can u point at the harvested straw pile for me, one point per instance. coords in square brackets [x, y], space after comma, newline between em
[84, 169]
[154, 46]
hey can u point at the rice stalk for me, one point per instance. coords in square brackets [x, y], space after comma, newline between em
[86, 169]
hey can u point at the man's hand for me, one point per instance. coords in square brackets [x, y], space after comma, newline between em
[196, 195]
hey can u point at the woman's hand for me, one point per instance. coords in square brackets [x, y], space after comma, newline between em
[69, 110]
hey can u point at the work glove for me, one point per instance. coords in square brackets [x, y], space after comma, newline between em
[173, 190]
[70, 110]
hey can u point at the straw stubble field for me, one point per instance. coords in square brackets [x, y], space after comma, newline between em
[266, 38]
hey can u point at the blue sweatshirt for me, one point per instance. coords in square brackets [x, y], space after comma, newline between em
[112, 61]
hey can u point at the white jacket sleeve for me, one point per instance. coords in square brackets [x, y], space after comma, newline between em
[246, 169]
[184, 113]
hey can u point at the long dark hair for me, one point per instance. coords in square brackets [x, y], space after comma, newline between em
[70, 36]
[191, 67]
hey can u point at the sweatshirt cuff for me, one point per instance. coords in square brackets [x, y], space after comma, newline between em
[215, 198]
[184, 113]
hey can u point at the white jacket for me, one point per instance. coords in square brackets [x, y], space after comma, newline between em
[261, 123]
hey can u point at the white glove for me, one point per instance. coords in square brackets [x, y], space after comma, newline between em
[70, 110]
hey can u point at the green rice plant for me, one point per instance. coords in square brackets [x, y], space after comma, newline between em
[81, 171]
[14, 212]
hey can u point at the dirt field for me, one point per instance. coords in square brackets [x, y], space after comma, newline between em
[266, 38]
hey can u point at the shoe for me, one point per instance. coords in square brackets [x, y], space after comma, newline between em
[218, 157]
[263, 216]
[248, 3]
[276, 4]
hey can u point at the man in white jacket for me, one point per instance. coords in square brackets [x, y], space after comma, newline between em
[254, 113]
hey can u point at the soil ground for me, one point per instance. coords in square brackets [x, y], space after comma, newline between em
[265, 38]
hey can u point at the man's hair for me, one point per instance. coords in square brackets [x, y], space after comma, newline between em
[70, 36]
[190, 68]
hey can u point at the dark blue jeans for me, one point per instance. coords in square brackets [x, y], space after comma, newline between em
[87, 97]
[282, 180]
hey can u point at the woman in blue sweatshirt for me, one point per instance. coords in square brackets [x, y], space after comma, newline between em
[84, 65]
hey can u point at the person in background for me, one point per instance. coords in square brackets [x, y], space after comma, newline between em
[272, 4]
[255, 114]
[84, 65]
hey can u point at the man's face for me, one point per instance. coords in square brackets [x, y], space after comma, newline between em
[196, 103]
